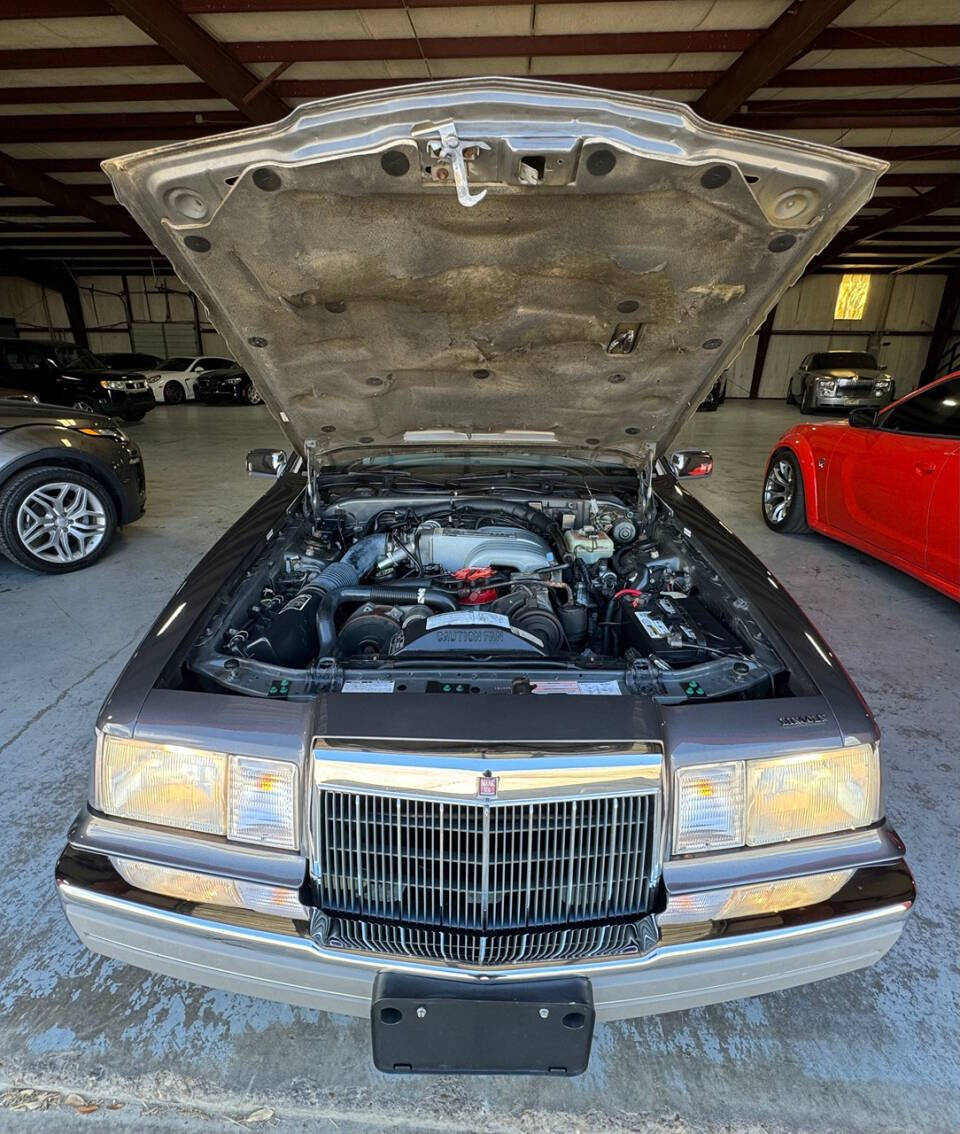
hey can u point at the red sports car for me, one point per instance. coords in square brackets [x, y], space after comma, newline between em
[886, 482]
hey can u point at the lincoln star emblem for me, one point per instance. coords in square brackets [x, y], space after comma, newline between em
[487, 786]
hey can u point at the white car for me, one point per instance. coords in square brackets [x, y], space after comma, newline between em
[173, 380]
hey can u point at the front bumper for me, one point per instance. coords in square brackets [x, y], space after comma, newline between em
[277, 959]
[841, 400]
[129, 406]
[218, 391]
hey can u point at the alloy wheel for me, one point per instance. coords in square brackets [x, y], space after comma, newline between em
[779, 490]
[61, 522]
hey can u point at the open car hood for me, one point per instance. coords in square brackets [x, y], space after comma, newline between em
[490, 259]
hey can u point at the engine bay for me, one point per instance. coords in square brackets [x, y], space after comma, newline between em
[501, 594]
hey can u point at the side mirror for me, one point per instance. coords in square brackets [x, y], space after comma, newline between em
[266, 462]
[863, 418]
[688, 464]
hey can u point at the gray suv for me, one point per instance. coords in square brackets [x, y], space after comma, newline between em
[840, 379]
[478, 724]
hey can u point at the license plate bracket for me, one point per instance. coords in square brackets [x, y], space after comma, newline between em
[435, 1026]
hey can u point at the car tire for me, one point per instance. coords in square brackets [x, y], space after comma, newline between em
[806, 400]
[85, 406]
[791, 400]
[45, 495]
[174, 393]
[252, 396]
[782, 502]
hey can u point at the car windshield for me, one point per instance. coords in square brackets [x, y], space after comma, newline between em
[847, 359]
[72, 357]
[177, 364]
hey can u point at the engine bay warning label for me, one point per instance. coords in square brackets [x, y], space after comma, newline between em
[468, 618]
[368, 685]
[579, 688]
[655, 627]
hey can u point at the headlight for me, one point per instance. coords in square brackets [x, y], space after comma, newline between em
[794, 797]
[104, 431]
[113, 384]
[247, 800]
[209, 890]
[756, 802]
[827, 386]
[752, 901]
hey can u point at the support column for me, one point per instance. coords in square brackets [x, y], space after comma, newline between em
[763, 344]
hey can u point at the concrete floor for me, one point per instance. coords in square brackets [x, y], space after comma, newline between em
[874, 1051]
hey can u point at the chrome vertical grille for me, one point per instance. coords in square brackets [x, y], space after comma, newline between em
[484, 867]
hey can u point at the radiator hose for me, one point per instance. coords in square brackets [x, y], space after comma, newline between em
[332, 600]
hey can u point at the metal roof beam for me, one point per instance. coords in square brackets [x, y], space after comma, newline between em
[189, 44]
[70, 200]
[782, 43]
[478, 47]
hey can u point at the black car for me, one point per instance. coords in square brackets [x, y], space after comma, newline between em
[130, 360]
[715, 399]
[64, 374]
[66, 483]
[230, 385]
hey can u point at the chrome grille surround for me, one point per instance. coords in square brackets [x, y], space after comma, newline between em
[409, 860]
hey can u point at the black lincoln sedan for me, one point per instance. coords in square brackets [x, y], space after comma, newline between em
[64, 374]
[67, 481]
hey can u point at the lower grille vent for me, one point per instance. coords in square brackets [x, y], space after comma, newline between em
[580, 943]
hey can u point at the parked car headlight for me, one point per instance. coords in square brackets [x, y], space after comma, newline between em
[247, 800]
[754, 900]
[110, 431]
[210, 890]
[756, 802]
[827, 386]
[113, 384]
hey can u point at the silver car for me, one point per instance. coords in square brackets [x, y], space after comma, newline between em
[478, 724]
[840, 379]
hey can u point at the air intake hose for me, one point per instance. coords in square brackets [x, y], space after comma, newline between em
[327, 609]
[291, 638]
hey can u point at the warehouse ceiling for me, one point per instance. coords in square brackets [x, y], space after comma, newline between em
[81, 80]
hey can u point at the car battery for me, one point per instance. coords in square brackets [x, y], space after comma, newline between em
[679, 631]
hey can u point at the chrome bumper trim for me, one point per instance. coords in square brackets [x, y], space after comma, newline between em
[290, 967]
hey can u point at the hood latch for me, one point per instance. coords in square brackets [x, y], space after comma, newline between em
[450, 149]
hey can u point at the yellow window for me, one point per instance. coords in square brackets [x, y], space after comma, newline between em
[852, 297]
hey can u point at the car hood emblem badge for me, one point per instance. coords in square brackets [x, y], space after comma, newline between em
[487, 786]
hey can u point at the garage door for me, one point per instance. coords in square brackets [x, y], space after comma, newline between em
[165, 339]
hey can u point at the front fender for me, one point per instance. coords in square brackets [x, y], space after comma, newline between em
[178, 623]
[798, 441]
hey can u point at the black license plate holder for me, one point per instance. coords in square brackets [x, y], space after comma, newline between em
[436, 1026]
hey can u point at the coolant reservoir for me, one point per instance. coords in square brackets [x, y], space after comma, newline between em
[589, 544]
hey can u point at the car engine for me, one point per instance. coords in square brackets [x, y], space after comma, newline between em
[485, 595]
